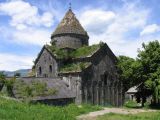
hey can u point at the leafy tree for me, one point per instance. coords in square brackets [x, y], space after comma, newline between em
[17, 74]
[2, 80]
[9, 84]
[149, 58]
[127, 68]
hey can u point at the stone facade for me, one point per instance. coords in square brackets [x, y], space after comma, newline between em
[46, 65]
[96, 84]
[100, 84]
[70, 41]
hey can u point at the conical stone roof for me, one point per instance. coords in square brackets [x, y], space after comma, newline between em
[69, 24]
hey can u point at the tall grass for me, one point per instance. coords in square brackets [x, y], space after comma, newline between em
[13, 110]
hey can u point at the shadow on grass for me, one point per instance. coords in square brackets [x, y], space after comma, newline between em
[154, 106]
[135, 105]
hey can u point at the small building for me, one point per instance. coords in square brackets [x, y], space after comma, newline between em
[130, 94]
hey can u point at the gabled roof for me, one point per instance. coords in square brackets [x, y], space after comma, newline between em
[39, 55]
[69, 24]
[81, 57]
[132, 90]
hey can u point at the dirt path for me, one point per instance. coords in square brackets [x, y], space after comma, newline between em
[93, 115]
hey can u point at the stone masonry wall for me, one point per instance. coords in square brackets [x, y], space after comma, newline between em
[74, 83]
[100, 84]
[69, 41]
[47, 64]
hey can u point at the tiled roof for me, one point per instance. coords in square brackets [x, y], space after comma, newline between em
[69, 24]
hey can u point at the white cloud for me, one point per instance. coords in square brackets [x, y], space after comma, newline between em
[94, 19]
[116, 31]
[111, 27]
[15, 62]
[149, 29]
[31, 36]
[22, 14]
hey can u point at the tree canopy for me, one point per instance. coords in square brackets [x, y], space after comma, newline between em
[144, 71]
[149, 58]
[2, 80]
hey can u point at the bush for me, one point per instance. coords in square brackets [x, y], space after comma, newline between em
[36, 88]
[9, 84]
[2, 80]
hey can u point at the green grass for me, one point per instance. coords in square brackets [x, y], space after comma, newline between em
[74, 67]
[85, 51]
[12, 110]
[130, 104]
[140, 116]
[134, 104]
[80, 52]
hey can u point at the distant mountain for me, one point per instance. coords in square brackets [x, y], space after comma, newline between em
[23, 72]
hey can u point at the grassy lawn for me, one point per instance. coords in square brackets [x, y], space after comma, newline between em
[132, 105]
[140, 116]
[12, 110]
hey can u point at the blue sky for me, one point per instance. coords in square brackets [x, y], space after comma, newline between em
[26, 25]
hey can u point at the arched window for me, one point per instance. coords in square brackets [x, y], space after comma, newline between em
[50, 68]
[40, 70]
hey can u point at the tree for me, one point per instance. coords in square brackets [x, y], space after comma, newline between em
[127, 69]
[17, 74]
[149, 58]
[2, 80]
[9, 83]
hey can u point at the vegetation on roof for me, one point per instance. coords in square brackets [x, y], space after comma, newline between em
[85, 51]
[78, 53]
[36, 88]
[74, 67]
[58, 53]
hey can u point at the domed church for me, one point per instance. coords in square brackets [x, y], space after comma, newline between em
[80, 73]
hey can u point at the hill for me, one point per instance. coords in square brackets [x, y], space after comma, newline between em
[23, 72]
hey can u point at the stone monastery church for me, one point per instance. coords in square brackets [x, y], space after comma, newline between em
[78, 72]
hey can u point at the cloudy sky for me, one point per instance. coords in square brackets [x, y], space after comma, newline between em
[26, 25]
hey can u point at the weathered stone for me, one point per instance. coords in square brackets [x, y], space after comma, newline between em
[98, 83]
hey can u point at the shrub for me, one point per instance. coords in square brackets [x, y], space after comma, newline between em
[34, 89]
[9, 84]
[2, 80]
